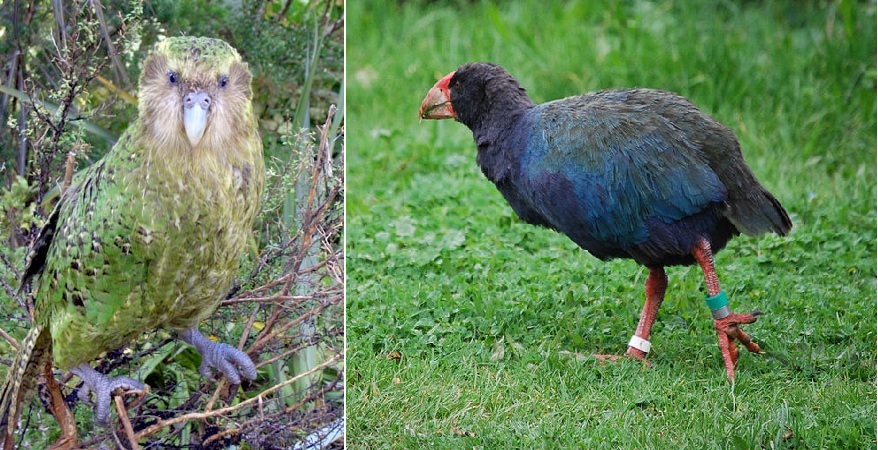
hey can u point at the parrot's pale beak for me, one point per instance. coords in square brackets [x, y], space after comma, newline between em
[195, 108]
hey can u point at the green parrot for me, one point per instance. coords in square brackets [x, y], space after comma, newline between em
[150, 236]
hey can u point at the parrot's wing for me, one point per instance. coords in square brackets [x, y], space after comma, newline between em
[36, 255]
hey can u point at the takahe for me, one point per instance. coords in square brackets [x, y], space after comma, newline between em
[633, 173]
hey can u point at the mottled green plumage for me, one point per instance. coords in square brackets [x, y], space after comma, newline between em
[150, 236]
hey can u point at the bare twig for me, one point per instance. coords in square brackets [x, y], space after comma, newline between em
[68, 170]
[229, 409]
[287, 298]
[121, 73]
[325, 148]
[126, 422]
[10, 340]
[261, 418]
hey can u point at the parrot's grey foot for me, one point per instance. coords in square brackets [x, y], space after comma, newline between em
[233, 363]
[103, 387]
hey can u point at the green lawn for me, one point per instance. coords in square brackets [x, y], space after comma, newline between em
[466, 328]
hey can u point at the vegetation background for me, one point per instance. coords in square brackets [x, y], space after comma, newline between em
[468, 328]
[69, 84]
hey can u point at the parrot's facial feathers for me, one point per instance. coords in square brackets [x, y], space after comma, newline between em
[195, 94]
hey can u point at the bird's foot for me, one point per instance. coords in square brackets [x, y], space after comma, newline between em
[104, 387]
[233, 363]
[728, 330]
[632, 353]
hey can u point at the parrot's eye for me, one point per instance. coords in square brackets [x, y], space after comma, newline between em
[173, 78]
[223, 81]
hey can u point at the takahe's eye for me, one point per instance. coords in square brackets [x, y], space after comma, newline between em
[173, 78]
[223, 81]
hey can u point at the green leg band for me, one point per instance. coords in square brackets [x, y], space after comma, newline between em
[719, 305]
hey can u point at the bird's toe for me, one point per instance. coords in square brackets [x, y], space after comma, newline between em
[729, 331]
[230, 361]
[730, 327]
[103, 387]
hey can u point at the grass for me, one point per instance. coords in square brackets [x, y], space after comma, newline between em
[465, 326]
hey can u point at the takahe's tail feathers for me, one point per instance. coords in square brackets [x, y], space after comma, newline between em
[758, 213]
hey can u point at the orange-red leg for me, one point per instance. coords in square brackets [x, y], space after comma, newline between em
[727, 327]
[656, 285]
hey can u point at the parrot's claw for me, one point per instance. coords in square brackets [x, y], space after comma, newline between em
[233, 363]
[103, 388]
[729, 331]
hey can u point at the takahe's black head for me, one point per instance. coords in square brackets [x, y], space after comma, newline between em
[475, 94]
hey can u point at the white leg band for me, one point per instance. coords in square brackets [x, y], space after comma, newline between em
[640, 344]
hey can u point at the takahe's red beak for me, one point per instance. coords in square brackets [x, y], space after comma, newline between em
[437, 103]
